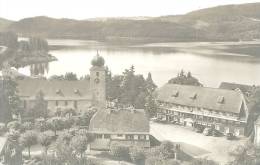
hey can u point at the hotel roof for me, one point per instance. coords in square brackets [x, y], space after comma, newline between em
[203, 97]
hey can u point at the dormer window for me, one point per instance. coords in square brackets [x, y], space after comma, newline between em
[221, 100]
[76, 91]
[58, 91]
[193, 96]
[175, 94]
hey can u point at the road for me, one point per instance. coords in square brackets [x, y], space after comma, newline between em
[196, 144]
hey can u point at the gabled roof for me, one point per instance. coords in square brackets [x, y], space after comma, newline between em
[55, 89]
[119, 121]
[209, 98]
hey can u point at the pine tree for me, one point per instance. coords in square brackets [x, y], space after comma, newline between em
[150, 85]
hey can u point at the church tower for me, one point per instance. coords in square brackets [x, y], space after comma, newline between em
[98, 81]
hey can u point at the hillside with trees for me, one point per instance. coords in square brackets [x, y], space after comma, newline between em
[222, 23]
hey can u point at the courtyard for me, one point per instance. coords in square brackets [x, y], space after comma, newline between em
[196, 144]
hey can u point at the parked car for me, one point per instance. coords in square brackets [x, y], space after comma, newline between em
[154, 119]
[174, 122]
[207, 132]
[199, 130]
[216, 133]
[230, 136]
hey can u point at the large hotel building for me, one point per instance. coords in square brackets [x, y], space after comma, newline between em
[223, 109]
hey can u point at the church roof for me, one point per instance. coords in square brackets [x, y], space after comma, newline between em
[98, 61]
[119, 121]
[209, 98]
[55, 89]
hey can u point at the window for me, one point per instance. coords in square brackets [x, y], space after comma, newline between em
[130, 137]
[221, 100]
[66, 103]
[97, 74]
[57, 103]
[107, 136]
[193, 96]
[119, 135]
[24, 104]
[175, 94]
[141, 137]
[75, 104]
[99, 136]
[217, 127]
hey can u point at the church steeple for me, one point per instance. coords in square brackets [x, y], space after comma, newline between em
[98, 81]
[98, 60]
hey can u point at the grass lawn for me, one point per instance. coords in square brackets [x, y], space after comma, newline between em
[196, 144]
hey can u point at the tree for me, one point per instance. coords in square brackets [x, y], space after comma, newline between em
[2, 129]
[150, 85]
[166, 150]
[184, 79]
[245, 154]
[40, 107]
[84, 119]
[12, 153]
[150, 105]
[157, 161]
[13, 136]
[9, 39]
[11, 93]
[70, 76]
[79, 144]
[27, 126]
[38, 44]
[65, 137]
[45, 140]
[28, 139]
[203, 161]
[55, 124]
[57, 77]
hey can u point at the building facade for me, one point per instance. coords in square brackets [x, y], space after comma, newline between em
[65, 95]
[124, 126]
[224, 110]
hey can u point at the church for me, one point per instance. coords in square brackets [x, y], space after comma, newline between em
[61, 95]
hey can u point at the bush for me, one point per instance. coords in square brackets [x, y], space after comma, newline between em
[26, 126]
[120, 152]
[137, 155]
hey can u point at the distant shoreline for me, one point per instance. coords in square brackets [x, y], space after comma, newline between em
[228, 48]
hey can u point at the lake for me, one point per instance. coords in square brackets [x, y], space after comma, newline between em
[211, 63]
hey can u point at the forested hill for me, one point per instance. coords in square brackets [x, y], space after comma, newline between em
[4, 24]
[223, 23]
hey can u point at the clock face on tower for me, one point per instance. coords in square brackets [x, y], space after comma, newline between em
[96, 80]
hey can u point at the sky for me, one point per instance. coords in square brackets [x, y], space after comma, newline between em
[84, 9]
